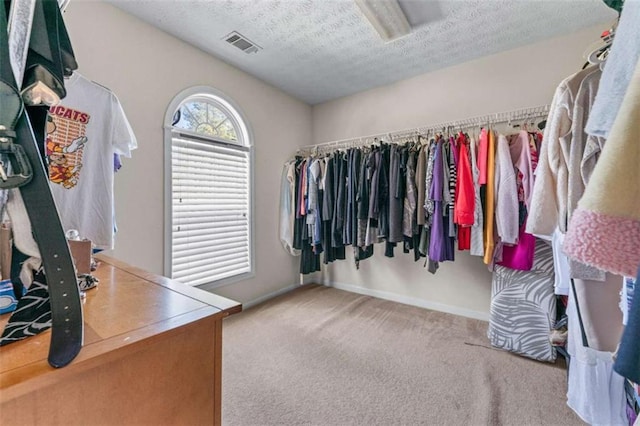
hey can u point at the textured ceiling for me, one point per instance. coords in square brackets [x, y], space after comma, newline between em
[318, 50]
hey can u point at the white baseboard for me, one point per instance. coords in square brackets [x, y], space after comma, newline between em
[407, 300]
[314, 278]
[270, 296]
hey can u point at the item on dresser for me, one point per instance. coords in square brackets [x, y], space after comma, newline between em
[5, 250]
[87, 282]
[8, 299]
[81, 253]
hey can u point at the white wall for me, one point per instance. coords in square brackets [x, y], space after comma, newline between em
[518, 78]
[146, 68]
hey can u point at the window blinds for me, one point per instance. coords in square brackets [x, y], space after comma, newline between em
[210, 210]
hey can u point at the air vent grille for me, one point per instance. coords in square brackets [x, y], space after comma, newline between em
[241, 42]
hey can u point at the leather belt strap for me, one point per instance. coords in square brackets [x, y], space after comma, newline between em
[67, 328]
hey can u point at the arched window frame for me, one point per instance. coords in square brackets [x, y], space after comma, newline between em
[244, 140]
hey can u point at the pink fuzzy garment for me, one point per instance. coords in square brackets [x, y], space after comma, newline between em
[605, 228]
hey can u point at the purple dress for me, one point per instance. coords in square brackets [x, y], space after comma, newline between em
[436, 243]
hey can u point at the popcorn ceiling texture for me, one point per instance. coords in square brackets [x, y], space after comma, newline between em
[318, 50]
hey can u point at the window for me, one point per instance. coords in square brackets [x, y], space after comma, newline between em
[208, 231]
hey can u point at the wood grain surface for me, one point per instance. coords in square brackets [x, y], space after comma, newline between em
[151, 355]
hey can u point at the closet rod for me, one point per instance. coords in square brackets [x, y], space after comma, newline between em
[482, 120]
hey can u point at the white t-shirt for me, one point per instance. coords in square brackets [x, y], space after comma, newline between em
[83, 133]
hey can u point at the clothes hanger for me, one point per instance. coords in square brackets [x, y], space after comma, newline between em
[597, 52]
[532, 127]
[62, 4]
[525, 123]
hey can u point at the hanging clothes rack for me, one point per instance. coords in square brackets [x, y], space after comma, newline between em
[523, 114]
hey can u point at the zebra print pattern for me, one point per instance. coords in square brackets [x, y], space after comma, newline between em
[523, 307]
[33, 314]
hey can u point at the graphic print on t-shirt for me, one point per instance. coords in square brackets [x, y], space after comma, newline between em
[66, 129]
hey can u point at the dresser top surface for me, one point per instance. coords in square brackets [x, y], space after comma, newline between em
[129, 305]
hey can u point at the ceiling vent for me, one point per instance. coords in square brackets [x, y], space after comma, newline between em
[241, 42]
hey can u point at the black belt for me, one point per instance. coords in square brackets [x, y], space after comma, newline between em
[67, 328]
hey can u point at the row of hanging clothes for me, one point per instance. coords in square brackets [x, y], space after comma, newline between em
[422, 194]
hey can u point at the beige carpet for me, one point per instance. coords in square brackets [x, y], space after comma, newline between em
[321, 356]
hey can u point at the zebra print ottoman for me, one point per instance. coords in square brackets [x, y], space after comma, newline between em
[523, 307]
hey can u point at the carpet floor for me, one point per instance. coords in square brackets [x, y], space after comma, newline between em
[321, 356]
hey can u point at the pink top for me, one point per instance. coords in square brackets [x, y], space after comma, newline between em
[521, 158]
[483, 150]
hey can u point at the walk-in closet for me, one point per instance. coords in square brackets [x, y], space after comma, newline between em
[308, 212]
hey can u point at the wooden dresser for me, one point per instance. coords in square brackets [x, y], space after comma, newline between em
[152, 355]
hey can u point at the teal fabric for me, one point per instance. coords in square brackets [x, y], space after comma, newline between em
[615, 4]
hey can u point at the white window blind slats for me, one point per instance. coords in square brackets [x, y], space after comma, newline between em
[189, 224]
[185, 255]
[222, 210]
[205, 218]
[210, 249]
[207, 276]
[222, 269]
[212, 173]
[210, 210]
[207, 205]
[205, 168]
[186, 231]
[197, 239]
[187, 190]
[194, 223]
[213, 210]
[185, 240]
[204, 261]
[225, 235]
[185, 197]
[231, 242]
[182, 250]
[221, 217]
[201, 268]
[191, 191]
[204, 147]
[207, 161]
[232, 164]
[204, 212]
[218, 177]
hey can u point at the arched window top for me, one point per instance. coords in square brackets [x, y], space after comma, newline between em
[204, 117]
[205, 112]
